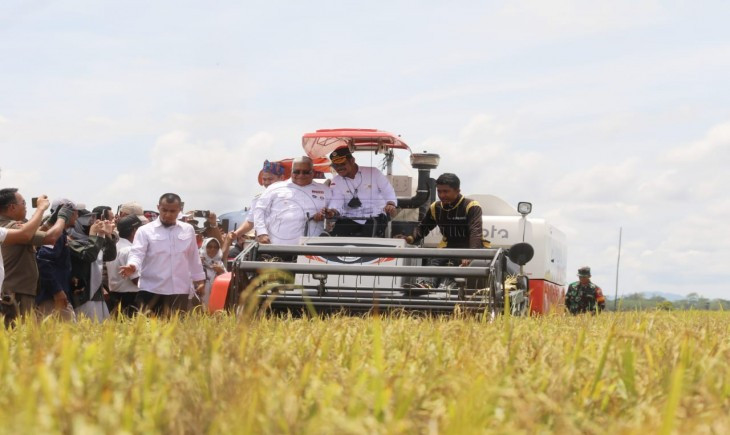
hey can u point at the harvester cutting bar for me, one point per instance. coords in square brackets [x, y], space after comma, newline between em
[336, 269]
[358, 251]
[346, 291]
[368, 304]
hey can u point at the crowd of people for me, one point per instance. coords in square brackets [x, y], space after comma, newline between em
[76, 262]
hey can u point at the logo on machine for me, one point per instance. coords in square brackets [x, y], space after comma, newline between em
[349, 259]
[495, 232]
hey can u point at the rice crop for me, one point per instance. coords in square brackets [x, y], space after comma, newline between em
[640, 372]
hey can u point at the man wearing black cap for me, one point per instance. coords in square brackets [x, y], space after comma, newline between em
[584, 296]
[359, 192]
[123, 291]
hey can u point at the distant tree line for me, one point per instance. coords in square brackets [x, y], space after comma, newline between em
[693, 301]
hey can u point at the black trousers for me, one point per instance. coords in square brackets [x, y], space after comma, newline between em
[162, 305]
[345, 227]
[126, 303]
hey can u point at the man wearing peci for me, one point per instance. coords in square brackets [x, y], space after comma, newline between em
[291, 209]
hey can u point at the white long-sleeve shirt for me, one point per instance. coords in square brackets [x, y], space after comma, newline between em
[249, 216]
[117, 283]
[284, 211]
[370, 186]
[166, 257]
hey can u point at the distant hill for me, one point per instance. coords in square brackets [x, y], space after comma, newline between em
[671, 297]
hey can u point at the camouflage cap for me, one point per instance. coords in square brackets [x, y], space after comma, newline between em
[584, 271]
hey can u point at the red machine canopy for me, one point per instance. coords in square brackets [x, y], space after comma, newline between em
[322, 142]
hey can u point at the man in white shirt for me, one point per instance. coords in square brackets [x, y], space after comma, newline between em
[291, 209]
[123, 291]
[165, 253]
[359, 192]
[270, 174]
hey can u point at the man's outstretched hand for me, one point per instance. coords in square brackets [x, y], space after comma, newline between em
[128, 270]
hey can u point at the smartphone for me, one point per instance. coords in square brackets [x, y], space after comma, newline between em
[225, 223]
[34, 202]
[201, 213]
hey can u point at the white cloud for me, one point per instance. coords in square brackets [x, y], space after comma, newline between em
[12, 177]
[560, 18]
[206, 174]
[665, 243]
[711, 150]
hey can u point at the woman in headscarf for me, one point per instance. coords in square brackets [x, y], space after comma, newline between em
[212, 255]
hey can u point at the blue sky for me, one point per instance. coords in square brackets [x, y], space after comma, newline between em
[603, 114]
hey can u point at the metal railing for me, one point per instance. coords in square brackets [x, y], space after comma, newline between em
[472, 288]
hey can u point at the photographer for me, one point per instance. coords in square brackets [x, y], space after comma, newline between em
[19, 288]
[92, 242]
[54, 265]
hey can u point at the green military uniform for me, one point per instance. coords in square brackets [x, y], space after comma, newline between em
[582, 298]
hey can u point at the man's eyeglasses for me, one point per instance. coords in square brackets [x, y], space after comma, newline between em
[301, 172]
[19, 203]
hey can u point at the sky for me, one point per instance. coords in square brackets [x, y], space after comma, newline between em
[604, 115]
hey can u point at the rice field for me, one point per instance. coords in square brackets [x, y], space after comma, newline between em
[642, 372]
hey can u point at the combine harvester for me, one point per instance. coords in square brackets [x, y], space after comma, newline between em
[358, 274]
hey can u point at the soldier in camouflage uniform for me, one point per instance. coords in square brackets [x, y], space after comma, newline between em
[583, 296]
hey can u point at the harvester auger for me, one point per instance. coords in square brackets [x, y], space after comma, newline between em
[362, 285]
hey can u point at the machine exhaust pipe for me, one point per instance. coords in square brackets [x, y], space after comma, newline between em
[424, 162]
